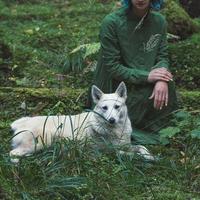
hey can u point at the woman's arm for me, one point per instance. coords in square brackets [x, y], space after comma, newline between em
[162, 60]
[111, 55]
[160, 92]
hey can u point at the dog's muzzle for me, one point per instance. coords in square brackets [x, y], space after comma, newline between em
[111, 120]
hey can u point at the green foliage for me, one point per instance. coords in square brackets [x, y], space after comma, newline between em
[185, 62]
[72, 170]
[30, 101]
[60, 100]
[185, 124]
[80, 53]
[190, 99]
[40, 35]
[179, 22]
[196, 133]
[169, 132]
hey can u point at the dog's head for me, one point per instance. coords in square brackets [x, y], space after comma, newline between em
[111, 107]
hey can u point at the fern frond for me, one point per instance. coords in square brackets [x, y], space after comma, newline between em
[80, 53]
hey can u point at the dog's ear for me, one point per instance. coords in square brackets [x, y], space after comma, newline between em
[96, 94]
[121, 90]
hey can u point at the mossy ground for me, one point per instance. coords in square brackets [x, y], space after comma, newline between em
[39, 36]
[35, 38]
[179, 22]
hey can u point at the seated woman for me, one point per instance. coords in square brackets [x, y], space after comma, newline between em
[134, 50]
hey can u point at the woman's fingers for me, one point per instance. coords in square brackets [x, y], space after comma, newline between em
[162, 101]
[155, 100]
[162, 78]
[152, 95]
[158, 100]
[165, 72]
[160, 95]
[162, 75]
[166, 99]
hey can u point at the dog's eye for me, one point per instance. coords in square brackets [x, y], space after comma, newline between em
[105, 107]
[116, 106]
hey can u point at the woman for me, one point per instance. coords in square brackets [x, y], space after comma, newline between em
[134, 50]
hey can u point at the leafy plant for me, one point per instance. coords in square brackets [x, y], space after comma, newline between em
[186, 68]
[185, 124]
[79, 54]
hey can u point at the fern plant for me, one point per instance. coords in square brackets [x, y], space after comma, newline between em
[80, 53]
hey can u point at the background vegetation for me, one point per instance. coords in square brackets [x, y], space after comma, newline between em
[43, 72]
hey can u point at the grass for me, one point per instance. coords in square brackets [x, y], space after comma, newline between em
[72, 170]
[38, 35]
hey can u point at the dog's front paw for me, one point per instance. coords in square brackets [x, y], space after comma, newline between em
[14, 160]
[144, 152]
[13, 157]
[15, 154]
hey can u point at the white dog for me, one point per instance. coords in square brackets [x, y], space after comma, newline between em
[108, 122]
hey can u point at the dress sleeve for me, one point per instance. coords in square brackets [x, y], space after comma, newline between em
[162, 56]
[111, 55]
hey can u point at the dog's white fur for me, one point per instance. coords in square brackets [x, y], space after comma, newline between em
[108, 121]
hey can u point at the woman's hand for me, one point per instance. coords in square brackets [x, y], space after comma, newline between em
[159, 74]
[160, 94]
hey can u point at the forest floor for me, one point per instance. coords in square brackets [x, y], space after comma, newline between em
[36, 38]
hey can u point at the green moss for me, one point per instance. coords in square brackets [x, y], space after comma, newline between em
[179, 22]
[28, 12]
[185, 62]
[39, 101]
[191, 99]
[73, 100]
[40, 34]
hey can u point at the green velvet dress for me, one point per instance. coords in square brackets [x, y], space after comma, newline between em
[130, 49]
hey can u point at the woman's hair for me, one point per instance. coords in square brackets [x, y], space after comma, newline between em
[129, 3]
[155, 4]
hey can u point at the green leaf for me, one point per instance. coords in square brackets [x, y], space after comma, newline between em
[182, 115]
[80, 53]
[23, 82]
[169, 132]
[198, 121]
[195, 133]
[164, 140]
[88, 49]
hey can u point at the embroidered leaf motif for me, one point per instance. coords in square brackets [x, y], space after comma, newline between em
[152, 43]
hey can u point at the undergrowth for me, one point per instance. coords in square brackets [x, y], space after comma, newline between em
[71, 169]
[36, 38]
[40, 35]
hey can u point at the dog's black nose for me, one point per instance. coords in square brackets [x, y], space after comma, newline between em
[111, 120]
